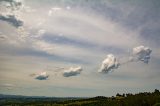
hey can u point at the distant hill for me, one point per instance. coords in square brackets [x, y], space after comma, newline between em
[140, 99]
[19, 96]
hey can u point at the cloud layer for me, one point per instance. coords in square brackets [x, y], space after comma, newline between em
[67, 33]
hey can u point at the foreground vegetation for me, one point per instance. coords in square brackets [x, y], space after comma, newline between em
[140, 99]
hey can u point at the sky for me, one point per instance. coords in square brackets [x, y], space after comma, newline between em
[57, 47]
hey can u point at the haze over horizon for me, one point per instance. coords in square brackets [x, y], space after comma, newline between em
[81, 48]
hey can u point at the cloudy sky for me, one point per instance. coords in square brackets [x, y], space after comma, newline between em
[42, 41]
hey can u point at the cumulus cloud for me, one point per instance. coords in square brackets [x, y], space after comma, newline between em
[10, 12]
[72, 71]
[12, 20]
[42, 76]
[109, 64]
[141, 53]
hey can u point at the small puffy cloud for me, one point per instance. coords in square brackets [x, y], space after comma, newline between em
[109, 64]
[72, 71]
[41, 76]
[141, 53]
